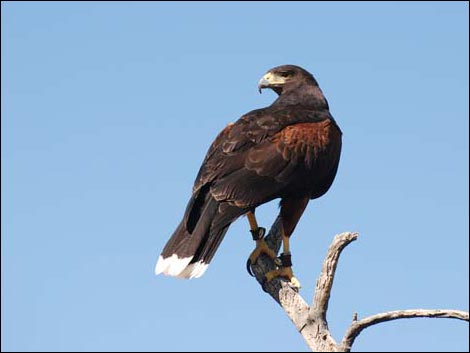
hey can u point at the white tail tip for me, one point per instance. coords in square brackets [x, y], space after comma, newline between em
[176, 267]
[194, 270]
[171, 266]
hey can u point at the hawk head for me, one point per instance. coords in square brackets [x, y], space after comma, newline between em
[286, 78]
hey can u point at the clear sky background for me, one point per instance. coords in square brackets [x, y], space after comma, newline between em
[108, 110]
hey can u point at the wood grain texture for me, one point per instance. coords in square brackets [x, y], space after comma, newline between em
[311, 321]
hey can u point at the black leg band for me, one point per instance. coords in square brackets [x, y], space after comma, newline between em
[258, 233]
[285, 260]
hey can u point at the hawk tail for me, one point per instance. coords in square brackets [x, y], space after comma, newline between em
[187, 255]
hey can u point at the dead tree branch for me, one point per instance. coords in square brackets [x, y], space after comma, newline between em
[311, 321]
[357, 326]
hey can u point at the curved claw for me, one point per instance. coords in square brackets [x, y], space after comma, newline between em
[248, 268]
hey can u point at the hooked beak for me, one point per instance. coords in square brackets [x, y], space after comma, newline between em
[263, 83]
[270, 80]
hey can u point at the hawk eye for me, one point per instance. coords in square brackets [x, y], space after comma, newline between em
[286, 73]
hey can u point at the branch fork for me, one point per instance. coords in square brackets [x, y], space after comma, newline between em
[311, 320]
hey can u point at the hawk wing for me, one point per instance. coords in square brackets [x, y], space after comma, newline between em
[252, 160]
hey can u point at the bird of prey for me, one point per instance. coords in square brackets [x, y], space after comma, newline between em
[288, 150]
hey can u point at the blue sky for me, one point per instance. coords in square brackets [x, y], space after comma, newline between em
[108, 110]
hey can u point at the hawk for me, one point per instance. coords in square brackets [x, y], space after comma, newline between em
[288, 150]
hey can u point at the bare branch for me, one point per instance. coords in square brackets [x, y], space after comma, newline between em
[293, 304]
[357, 326]
[311, 321]
[311, 324]
[327, 275]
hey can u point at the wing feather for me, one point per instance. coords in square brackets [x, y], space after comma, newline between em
[253, 159]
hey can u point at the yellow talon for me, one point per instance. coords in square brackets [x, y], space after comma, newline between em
[285, 272]
[294, 282]
[261, 248]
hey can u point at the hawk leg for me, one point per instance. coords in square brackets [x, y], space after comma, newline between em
[285, 269]
[261, 246]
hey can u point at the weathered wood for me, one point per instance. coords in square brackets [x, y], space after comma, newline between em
[311, 321]
[358, 325]
[327, 275]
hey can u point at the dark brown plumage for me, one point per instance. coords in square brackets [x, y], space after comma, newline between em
[289, 150]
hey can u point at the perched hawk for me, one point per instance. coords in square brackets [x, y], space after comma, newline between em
[289, 150]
